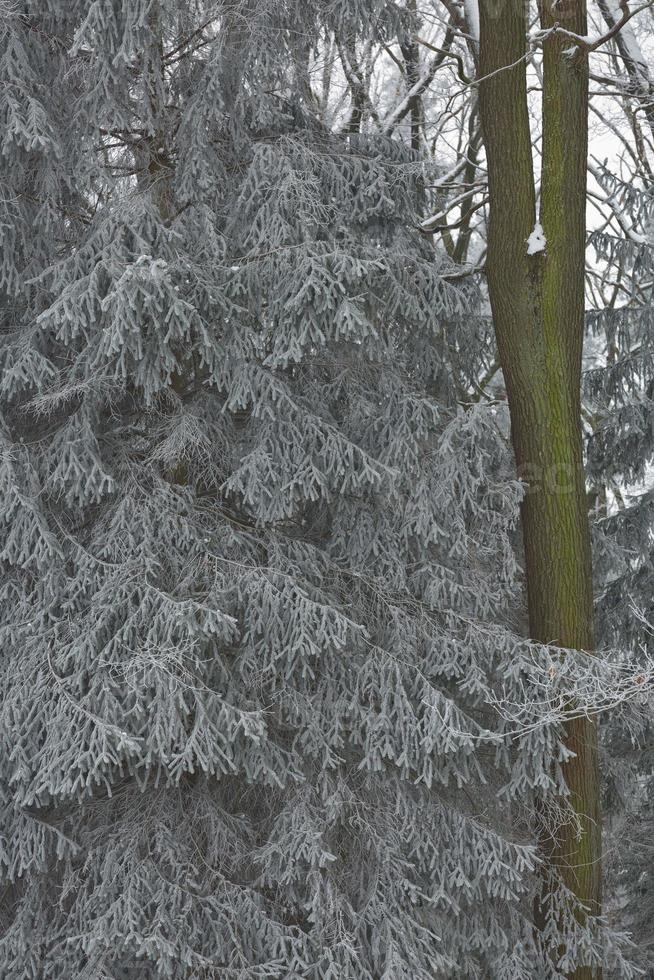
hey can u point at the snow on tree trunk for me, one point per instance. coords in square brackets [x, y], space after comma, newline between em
[537, 297]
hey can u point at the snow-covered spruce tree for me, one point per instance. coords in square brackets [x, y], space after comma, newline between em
[620, 396]
[257, 565]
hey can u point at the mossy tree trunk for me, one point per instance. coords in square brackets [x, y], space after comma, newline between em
[538, 309]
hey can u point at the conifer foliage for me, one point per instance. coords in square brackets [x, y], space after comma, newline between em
[258, 574]
[619, 391]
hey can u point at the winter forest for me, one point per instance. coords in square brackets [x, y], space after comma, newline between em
[326, 489]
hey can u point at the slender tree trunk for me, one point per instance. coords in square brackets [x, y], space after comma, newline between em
[538, 309]
[411, 55]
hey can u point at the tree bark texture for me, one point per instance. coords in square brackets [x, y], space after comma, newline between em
[538, 309]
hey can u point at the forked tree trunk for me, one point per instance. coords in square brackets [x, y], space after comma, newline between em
[538, 309]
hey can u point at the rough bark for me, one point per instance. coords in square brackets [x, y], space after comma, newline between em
[538, 310]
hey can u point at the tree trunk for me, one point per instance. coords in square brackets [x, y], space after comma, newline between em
[538, 309]
[411, 56]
